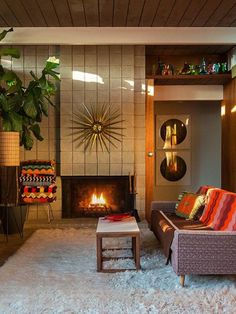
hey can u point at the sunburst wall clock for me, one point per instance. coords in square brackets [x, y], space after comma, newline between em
[97, 126]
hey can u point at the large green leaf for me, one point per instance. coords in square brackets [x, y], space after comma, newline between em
[4, 33]
[29, 107]
[52, 73]
[27, 140]
[12, 52]
[16, 121]
[44, 107]
[6, 124]
[36, 131]
[4, 102]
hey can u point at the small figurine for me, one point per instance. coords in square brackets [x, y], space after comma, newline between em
[167, 70]
[203, 69]
[186, 69]
[224, 67]
[216, 67]
[210, 68]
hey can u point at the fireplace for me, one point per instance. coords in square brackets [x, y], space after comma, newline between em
[95, 196]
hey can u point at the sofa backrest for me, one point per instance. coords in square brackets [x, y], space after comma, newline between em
[220, 210]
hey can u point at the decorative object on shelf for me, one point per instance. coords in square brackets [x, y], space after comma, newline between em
[167, 70]
[203, 68]
[224, 67]
[97, 126]
[38, 183]
[186, 69]
[22, 107]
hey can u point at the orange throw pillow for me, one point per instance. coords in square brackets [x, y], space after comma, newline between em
[189, 205]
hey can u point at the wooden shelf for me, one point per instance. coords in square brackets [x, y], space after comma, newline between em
[207, 79]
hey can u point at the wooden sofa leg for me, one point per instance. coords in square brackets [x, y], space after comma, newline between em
[182, 278]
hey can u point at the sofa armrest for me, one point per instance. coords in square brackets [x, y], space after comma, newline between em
[165, 206]
[204, 252]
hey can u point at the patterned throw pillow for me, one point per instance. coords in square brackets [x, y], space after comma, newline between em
[189, 205]
[181, 195]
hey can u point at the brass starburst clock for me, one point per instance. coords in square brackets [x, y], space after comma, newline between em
[97, 126]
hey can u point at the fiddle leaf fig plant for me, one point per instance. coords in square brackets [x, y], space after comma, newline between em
[23, 107]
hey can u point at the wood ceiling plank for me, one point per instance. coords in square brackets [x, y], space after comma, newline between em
[149, 12]
[8, 15]
[63, 12]
[49, 12]
[220, 12]
[177, 12]
[191, 13]
[207, 10]
[120, 12]
[134, 12]
[20, 13]
[106, 12]
[3, 23]
[77, 12]
[33, 10]
[229, 18]
[163, 12]
[91, 12]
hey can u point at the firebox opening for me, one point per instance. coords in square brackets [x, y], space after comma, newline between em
[95, 196]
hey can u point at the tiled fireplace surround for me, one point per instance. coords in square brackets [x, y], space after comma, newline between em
[120, 79]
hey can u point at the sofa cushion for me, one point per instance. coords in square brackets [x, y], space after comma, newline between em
[164, 225]
[189, 205]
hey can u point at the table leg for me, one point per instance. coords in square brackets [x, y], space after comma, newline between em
[134, 247]
[99, 253]
[137, 251]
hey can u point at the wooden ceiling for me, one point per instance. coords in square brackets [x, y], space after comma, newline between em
[118, 13]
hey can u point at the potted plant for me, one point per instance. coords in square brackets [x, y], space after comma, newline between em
[23, 107]
[21, 111]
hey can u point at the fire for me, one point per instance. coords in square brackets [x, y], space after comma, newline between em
[98, 200]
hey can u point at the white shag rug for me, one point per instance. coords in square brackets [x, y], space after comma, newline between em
[55, 272]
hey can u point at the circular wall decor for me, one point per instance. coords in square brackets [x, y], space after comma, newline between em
[173, 168]
[173, 130]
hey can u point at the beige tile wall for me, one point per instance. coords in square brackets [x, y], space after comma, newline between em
[122, 71]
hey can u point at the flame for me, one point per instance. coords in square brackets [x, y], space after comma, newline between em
[98, 200]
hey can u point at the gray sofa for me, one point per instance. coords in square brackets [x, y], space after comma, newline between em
[190, 246]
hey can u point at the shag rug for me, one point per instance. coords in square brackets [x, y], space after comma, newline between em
[55, 272]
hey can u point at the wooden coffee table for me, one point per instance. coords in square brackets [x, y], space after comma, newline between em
[116, 229]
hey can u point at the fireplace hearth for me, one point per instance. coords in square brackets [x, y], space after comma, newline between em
[95, 196]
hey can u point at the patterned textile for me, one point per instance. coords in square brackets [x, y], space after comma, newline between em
[38, 162]
[39, 189]
[38, 171]
[225, 217]
[213, 199]
[38, 200]
[204, 188]
[189, 205]
[220, 211]
[180, 196]
[38, 181]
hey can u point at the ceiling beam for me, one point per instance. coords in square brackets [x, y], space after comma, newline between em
[121, 35]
